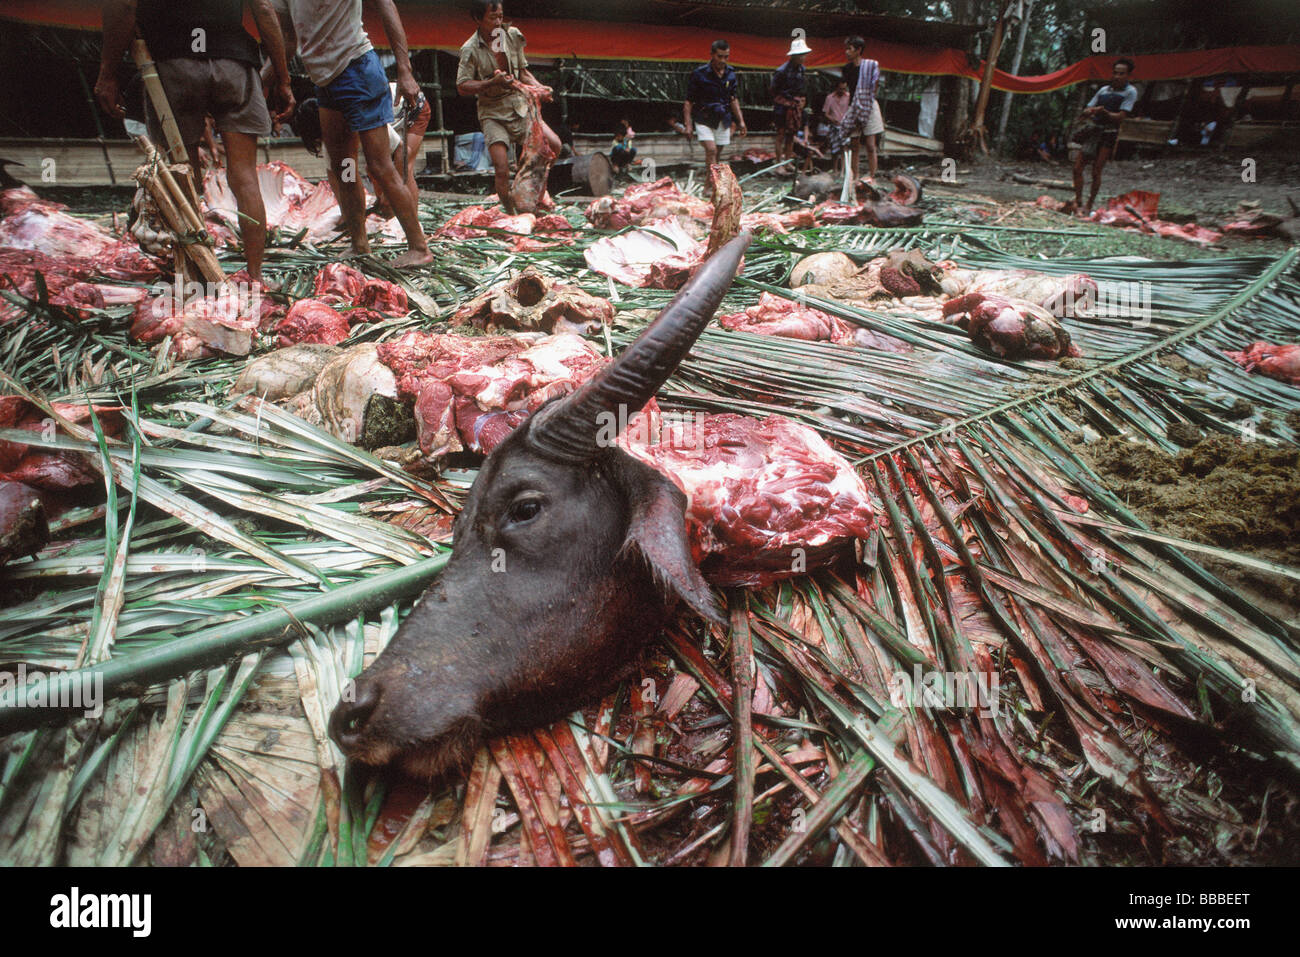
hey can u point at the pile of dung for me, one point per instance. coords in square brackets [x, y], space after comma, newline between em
[1242, 496]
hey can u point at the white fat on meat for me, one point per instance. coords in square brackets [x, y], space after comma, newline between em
[629, 257]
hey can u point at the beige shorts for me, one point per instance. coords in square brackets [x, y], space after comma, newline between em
[874, 126]
[713, 134]
[227, 90]
[513, 130]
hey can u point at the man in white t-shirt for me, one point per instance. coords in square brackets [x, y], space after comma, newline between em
[356, 108]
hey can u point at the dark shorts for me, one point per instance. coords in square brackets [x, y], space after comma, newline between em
[787, 119]
[228, 90]
[360, 93]
[1093, 141]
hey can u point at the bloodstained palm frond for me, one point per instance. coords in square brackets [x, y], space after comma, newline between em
[1112, 643]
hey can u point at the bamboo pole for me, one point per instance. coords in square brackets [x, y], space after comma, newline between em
[180, 216]
[153, 86]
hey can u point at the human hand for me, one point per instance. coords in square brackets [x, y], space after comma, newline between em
[108, 95]
[282, 96]
[408, 88]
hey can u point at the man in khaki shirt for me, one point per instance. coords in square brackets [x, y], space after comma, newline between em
[489, 61]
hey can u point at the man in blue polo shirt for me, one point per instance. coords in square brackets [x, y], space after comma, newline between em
[712, 101]
[1098, 130]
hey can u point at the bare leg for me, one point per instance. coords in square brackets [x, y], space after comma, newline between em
[710, 152]
[345, 178]
[413, 144]
[241, 172]
[857, 157]
[1103, 154]
[379, 163]
[871, 156]
[500, 153]
[1079, 162]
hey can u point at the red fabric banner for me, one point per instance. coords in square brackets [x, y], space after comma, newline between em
[430, 28]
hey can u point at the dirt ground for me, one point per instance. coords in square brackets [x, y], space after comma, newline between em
[1243, 496]
[1204, 186]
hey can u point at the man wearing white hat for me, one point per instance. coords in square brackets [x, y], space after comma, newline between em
[788, 94]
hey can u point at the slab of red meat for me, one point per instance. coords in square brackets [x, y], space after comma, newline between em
[777, 316]
[15, 199]
[23, 526]
[663, 254]
[877, 213]
[1011, 328]
[43, 227]
[384, 297]
[342, 285]
[49, 470]
[533, 301]
[1138, 209]
[536, 155]
[338, 282]
[65, 283]
[768, 498]
[787, 319]
[1281, 362]
[646, 202]
[525, 230]
[907, 190]
[310, 320]
[778, 223]
[471, 391]
[201, 326]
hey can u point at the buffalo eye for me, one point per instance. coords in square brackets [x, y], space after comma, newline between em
[523, 510]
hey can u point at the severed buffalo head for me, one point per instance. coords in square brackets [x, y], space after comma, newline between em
[568, 556]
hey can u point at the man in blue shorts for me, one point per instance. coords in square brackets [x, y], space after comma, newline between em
[356, 108]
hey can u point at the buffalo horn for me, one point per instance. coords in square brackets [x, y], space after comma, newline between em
[568, 429]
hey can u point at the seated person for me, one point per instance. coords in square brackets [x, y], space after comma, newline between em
[622, 153]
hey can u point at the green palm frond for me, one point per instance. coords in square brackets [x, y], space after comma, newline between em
[231, 526]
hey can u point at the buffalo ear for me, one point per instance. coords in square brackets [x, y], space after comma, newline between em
[656, 529]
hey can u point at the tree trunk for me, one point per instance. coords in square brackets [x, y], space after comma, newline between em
[986, 85]
[1015, 70]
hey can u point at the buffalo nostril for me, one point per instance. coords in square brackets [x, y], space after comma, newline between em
[349, 719]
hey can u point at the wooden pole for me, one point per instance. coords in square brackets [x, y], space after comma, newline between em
[179, 214]
[158, 97]
[986, 85]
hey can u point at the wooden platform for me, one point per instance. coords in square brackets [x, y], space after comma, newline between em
[88, 162]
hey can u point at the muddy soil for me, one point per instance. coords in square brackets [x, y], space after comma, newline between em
[1242, 496]
[1204, 187]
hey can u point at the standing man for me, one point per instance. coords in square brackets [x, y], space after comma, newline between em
[1104, 113]
[491, 62]
[788, 87]
[208, 66]
[712, 101]
[863, 119]
[356, 108]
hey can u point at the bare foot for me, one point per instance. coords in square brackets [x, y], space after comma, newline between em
[412, 258]
[361, 248]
